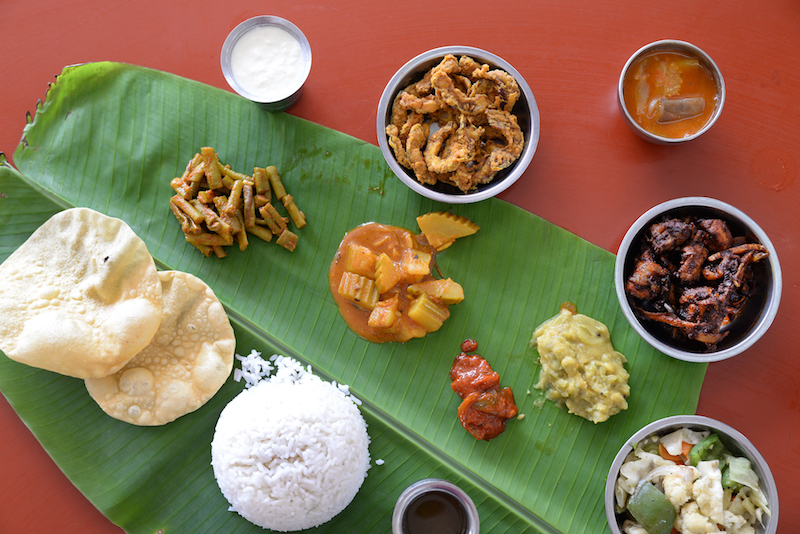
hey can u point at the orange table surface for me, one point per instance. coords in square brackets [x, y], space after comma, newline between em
[590, 174]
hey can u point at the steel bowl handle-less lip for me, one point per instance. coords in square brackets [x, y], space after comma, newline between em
[669, 424]
[388, 95]
[238, 32]
[671, 44]
[428, 485]
[770, 306]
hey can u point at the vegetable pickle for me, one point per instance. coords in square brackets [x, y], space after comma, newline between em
[711, 448]
[651, 508]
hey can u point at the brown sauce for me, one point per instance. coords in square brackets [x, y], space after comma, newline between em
[379, 238]
[435, 512]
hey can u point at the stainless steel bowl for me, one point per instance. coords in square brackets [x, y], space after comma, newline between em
[526, 110]
[758, 313]
[680, 46]
[469, 513]
[733, 440]
[238, 32]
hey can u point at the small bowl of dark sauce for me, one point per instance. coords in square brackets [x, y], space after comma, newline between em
[435, 505]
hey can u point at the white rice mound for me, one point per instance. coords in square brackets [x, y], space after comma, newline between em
[289, 452]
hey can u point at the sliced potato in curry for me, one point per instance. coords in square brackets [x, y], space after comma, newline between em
[442, 228]
[381, 279]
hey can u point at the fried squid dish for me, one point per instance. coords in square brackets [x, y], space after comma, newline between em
[455, 125]
[694, 276]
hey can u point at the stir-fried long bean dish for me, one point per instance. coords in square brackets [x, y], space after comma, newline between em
[217, 206]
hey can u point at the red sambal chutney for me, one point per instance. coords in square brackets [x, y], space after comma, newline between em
[485, 406]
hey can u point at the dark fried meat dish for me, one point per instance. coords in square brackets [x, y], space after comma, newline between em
[649, 279]
[693, 276]
[693, 255]
[718, 236]
[669, 235]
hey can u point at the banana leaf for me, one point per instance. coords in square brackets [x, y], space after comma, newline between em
[111, 137]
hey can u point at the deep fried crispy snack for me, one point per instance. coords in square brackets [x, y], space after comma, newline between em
[217, 206]
[477, 134]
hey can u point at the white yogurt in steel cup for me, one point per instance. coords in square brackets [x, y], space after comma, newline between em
[267, 60]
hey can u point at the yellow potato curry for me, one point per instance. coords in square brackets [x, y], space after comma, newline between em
[580, 368]
[381, 280]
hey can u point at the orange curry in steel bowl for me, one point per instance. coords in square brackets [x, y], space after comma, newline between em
[671, 91]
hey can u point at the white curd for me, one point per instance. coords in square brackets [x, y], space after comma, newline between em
[268, 63]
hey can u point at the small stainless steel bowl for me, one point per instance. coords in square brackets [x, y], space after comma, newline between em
[681, 47]
[733, 440]
[758, 312]
[293, 93]
[430, 485]
[526, 110]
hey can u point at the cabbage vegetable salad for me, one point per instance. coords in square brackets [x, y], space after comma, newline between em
[690, 482]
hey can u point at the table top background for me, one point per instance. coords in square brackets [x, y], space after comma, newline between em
[590, 174]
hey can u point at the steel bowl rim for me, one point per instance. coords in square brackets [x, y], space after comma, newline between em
[391, 89]
[426, 485]
[239, 31]
[770, 308]
[766, 479]
[665, 44]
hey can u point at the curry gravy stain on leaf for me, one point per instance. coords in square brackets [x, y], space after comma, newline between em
[540, 446]
[774, 168]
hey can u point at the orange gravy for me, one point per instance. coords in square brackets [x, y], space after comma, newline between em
[665, 76]
[379, 238]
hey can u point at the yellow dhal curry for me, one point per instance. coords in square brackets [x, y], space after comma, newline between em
[580, 368]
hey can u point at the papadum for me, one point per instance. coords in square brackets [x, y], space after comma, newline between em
[80, 297]
[188, 360]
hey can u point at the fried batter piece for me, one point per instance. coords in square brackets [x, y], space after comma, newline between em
[694, 277]
[443, 81]
[417, 138]
[477, 134]
[465, 144]
[398, 146]
[505, 85]
[506, 123]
